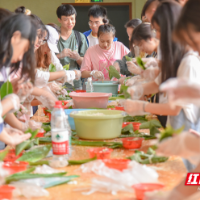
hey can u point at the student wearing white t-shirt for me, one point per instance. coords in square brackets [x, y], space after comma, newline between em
[97, 17]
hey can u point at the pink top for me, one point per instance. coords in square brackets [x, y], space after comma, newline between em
[99, 59]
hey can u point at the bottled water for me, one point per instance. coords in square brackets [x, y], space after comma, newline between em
[60, 135]
[89, 86]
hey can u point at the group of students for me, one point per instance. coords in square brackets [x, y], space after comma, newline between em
[166, 38]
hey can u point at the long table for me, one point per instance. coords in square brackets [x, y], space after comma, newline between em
[170, 173]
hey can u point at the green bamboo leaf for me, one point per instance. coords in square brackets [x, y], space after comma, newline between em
[169, 132]
[36, 141]
[33, 133]
[59, 181]
[22, 176]
[3, 154]
[44, 140]
[6, 89]
[128, 58]
[113, 73]
[128, 129]
[66, 67]
[20, 147]
[41, 162]
[140, 63]
[36, 154]
[46, 128]
[123, 90]
[80, 162]
[52, 68]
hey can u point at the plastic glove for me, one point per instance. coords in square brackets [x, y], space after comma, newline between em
[150, 62]
[32, 125]
[75, 55]
[136, 91]
[117, 67]
[54, 87]
[77, 74]
[185, 145]
[132, 81]
[181, 92]
[21, 111]
[48, 99]
[122, 79]
[134, 108]
[65, 53]
[133, 68]
[15, 102]
[150, 73]
[12, 131]
[25, 90]
[70, 76]
[97, 75]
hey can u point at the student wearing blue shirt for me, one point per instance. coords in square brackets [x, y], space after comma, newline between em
[96, 16]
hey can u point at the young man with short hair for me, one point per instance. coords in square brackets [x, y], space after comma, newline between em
[97, 17]
[72, 44]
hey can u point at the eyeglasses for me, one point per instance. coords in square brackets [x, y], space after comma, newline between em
[93, 23]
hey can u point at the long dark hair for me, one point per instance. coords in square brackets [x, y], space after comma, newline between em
[190, 15]
[142, 32]
[27, 28]
[166, 17]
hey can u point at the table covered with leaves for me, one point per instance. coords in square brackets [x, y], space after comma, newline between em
[171, 170]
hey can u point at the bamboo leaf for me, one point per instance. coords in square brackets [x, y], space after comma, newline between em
[22, 176]
[52, 68]
[36, 154]
[6, 89]
[123, 90]
[140, 63]
[33, 133]
[80, 162]
[20, 147]
[128, 129]
[41, 162]
[128, 58]
[113, 73]
[66, 67]
[45, 140]
[3, 154]
[47, 128]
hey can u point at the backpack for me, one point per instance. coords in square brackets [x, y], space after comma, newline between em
[78, 39]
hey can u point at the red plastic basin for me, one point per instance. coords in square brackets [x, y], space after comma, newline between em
[40, 134]
[132, 142]
[6, 192]
[119, 164]
[117, 108]
[141, 188]
[11, 157]
[79, 91]
[16, 166]
[136, 125]
[100, 153]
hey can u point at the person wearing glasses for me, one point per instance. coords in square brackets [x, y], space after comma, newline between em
[96, 15]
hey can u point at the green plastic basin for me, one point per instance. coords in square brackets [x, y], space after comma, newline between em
[90, 126]
[106, 87]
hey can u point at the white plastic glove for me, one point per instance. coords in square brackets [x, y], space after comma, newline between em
[150, 73]
[77, 74]
[21, 111]
[186, 145]
[70, 76]
[15, 102]
[25, 89]
[150, 62]
[117, 67]
[48, 99]
[12, 131]
[121, 80]
[65, 53]
[32, 125]
[133, 68]
[75, 55]
[132, 81]
[134, 108]
[54, 87]
[136, 91]
[181, 92]
[97, 75]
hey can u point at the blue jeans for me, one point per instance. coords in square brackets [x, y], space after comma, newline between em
[181, 120]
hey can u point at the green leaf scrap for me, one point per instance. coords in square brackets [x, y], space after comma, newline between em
[128, 58]
[140, 63]
[66, 67]
[6, 89]
[52, 68]
[113, 73]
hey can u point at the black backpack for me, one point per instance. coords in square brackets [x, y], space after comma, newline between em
[78, 39]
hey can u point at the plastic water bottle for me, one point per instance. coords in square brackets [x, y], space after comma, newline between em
[89, 86]
[60, 135]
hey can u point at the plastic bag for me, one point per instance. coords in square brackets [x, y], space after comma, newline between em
[119, 180]
[28, 190]
[45, 169]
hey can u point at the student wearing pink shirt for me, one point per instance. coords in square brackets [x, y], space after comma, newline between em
[98, 58]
